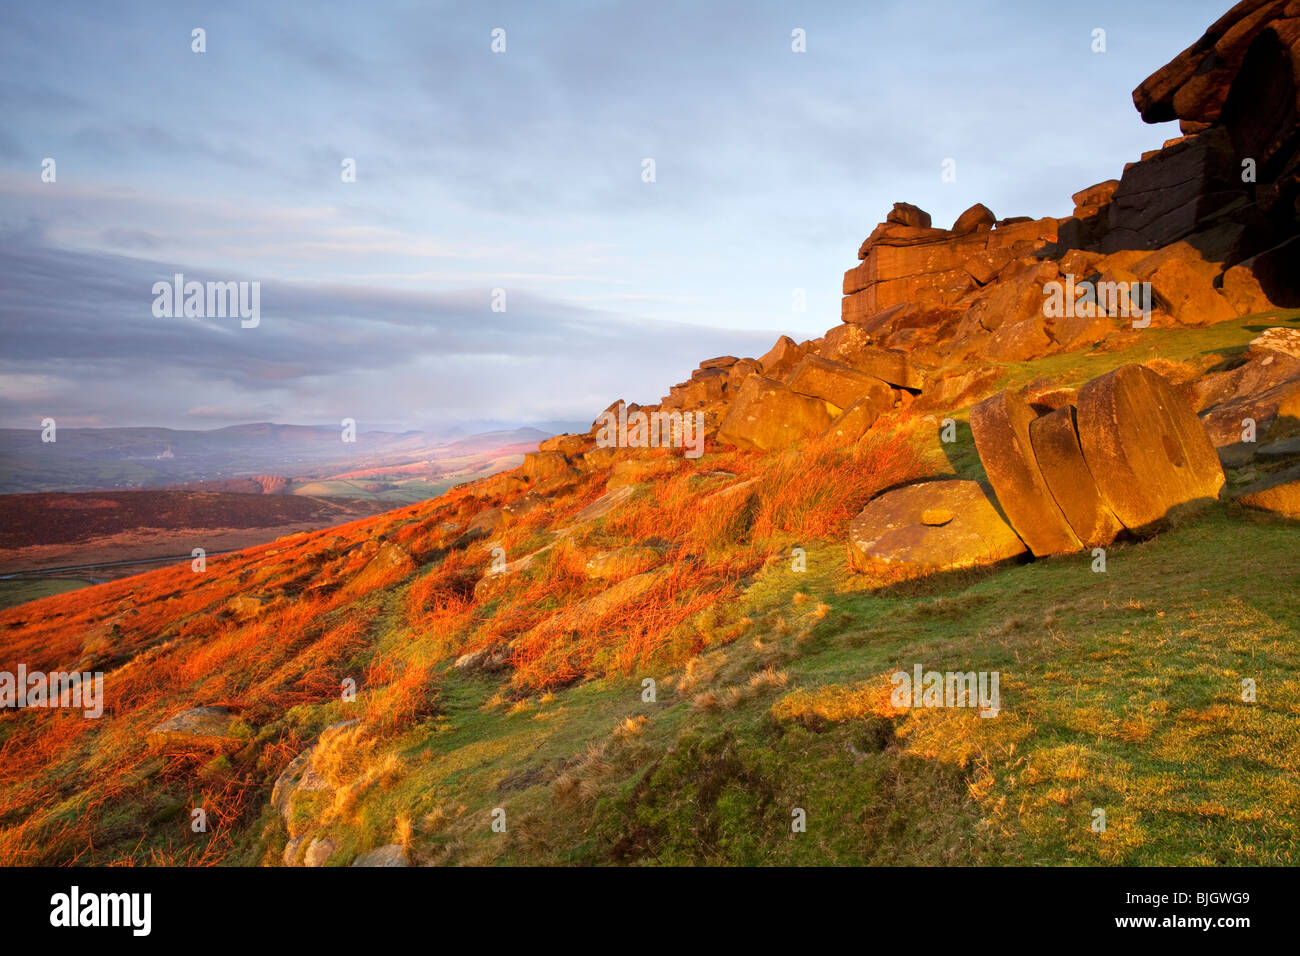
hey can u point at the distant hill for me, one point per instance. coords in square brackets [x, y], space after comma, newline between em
[87, 459]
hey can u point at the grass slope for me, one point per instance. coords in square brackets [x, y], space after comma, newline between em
[1120, 690]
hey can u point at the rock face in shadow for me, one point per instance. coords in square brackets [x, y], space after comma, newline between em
[1147, 450]
[1234, 92]
[930, 527]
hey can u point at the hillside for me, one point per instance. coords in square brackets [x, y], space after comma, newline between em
[618, 653]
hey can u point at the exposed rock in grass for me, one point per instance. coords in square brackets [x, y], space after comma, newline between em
[390, 855]
[1279, 493]
[890, 541]
[198, 726]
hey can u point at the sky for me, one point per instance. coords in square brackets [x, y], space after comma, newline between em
[522, 171]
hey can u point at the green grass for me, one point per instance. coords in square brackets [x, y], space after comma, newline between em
[20, 591]
[1224, 340]
[1120, 691]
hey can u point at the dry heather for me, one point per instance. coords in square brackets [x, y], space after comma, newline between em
[276, 633]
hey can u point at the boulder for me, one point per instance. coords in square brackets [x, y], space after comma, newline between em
[767, 416]
[854, 423]
[905, 214]
[198, 726]
[566, 444]
[888, 365]
[890, 539]
[1280, 448]
[600, 457]
[1167, 196]
[722, 361]
[318, 851]
[1185, 287]
[1194, 86]
[781, 358]
[1270, 409]
[737, 374]
[1279, 493]
[1098, 195]
[1000, 426]
[1148, 452]
[838, 383]
[390, 855]
[978, 218]
[1264, 369]
[1055, 442]
[545, 465]
[603, 505]
[1020, 341]
[484, 521]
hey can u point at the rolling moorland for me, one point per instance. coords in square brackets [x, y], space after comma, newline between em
[500, 636]
[117, 533]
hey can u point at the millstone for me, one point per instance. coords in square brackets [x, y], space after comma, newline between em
[1056, 449]
[1000, 425]
[891, 540]
[1147, 450]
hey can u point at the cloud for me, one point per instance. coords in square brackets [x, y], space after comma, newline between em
[82, 337]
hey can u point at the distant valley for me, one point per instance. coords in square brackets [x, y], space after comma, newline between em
[99, 504]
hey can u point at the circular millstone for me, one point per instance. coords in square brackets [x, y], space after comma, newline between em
[1001, 428]
[891, 541]
[1147, 450]
[1056, 449]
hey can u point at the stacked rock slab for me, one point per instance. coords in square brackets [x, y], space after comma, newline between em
[1054, 440]
[919, 265]
[1147, 450]
[927, 528]
[1000, 426]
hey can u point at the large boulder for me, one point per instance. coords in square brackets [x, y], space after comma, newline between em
[978, 218]
[1000, 426]
[854, 423]
[1055, 442]
[1194, 86]
[540, 466]
[781, 358]
[905, 214]
[767, 416]
[839, 384]
[1148, 452]
[930, 527]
